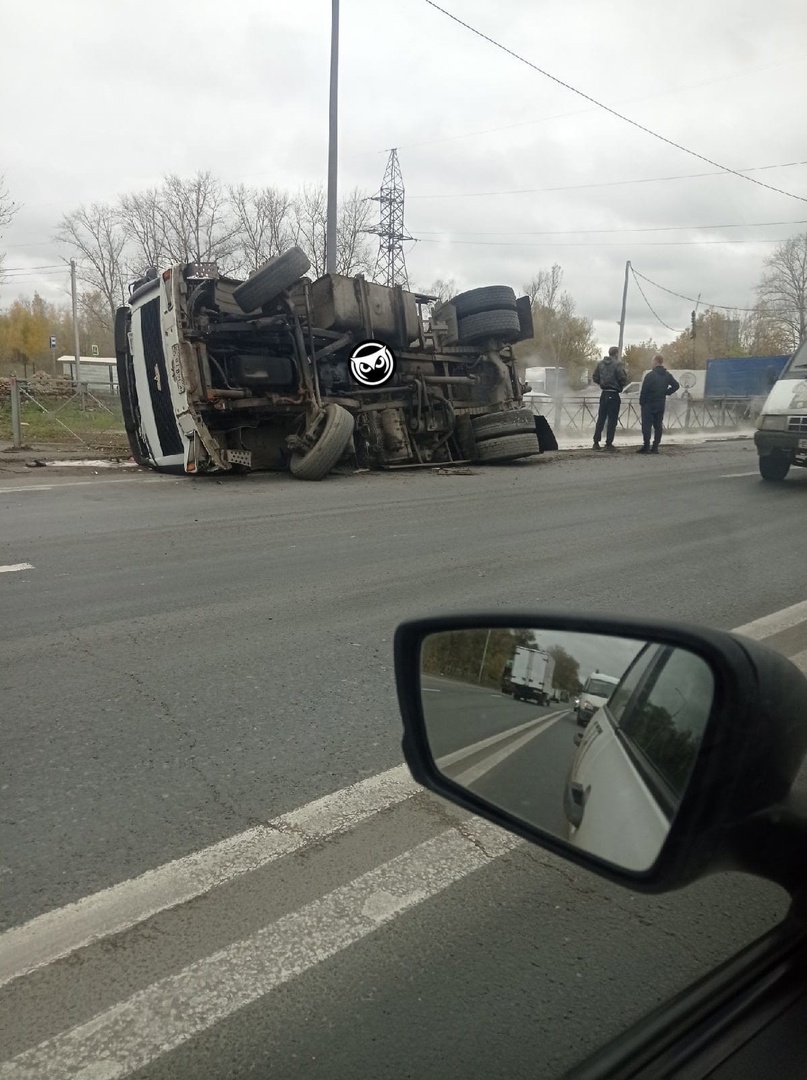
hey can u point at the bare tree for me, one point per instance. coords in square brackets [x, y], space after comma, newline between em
[308, 225]
[354, 249]
[95, 235]
[783, 288]
[195, 220]
[141, 219]
[561, 337]
[8, 209]
[262, 220]
[443, 289]
[544, 288]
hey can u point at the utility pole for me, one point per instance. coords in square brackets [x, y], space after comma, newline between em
[624, 309]
[330, 232]
[484, 658]
[76, 345]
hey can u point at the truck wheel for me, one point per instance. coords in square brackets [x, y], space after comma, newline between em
[271, 279]
[775, 466]
[500, 324]
[489, 298]
[514, 422]
[508, 448]
[466, 441]
[335, 434]
[525, 320]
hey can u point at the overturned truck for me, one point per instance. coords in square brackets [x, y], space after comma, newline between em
[221, 375]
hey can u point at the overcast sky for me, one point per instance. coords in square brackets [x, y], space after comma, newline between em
[99, 99]
[594, 652]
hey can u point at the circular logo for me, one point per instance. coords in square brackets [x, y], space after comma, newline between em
[372, 363]
[688, 380]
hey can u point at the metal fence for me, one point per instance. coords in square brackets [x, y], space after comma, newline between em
[53, 410]
[578, 414]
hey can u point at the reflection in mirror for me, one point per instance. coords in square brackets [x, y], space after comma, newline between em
[590, 738]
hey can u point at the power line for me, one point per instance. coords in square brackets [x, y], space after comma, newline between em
[605, 183]
[593, 232]
[27, 269]
[582, 112]
[689, 299]
[600, 243]
[613, 112]
[652, 309]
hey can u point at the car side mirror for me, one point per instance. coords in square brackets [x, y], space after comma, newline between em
[677, 742]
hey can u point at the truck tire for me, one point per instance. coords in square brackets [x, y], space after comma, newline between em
[525, 321]
[316, 463]
[774, 467]
[466, 440]
[513, 422]
[488, 298]
[501, 324]
[271, 279]
[508, 447]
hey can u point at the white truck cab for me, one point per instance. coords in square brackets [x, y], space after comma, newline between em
[781, 435]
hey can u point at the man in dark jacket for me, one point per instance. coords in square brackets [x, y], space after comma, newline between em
[611, 377]
[657, 386]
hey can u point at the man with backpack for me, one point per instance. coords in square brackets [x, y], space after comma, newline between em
[611, 377]
[657, 386]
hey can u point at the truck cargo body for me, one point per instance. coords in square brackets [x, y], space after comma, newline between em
[531, 675]
[742, 376]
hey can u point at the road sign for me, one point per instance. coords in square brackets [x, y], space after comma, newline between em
[53, 342]
[688, 380]
[95, 350]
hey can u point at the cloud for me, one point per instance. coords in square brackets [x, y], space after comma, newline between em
[123, 95]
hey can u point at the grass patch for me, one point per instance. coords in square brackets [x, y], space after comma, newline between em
[95, 426]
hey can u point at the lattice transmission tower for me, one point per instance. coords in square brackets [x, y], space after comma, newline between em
[390, 267]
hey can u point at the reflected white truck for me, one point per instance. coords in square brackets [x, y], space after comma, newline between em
[531, 676]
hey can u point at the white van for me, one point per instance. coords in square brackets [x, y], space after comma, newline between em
[781, 435]
[595, 693]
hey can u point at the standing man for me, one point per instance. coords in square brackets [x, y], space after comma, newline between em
[611, 377]
[657, 386]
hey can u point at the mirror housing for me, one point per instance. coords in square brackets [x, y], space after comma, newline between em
[737, 812]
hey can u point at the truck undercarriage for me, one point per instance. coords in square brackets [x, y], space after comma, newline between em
[218, 374]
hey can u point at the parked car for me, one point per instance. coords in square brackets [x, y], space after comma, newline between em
[781, 435]
[278, 372]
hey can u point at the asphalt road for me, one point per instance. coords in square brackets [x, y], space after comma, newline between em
[515, 755]
[190, 659]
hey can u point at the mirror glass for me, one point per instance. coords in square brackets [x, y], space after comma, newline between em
[590, 738]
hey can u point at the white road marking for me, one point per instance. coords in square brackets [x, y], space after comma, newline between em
[431, 690]
[131, 1034]
[61, 932]
[800, 660]
[58, 933]
[732, 475]
[84, 483]
[491, 740]
[476, 772]
[12, 568]
[769, 625]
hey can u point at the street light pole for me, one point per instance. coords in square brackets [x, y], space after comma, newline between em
[624, 309]
[330, 232]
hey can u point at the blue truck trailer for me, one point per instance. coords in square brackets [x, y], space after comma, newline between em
[742, 376]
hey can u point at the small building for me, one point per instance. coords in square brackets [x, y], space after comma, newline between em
[97, 372]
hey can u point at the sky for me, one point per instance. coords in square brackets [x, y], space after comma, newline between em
[100, 99]
[594, 652]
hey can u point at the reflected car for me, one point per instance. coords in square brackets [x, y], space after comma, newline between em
[634, 760]
[595, 693]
